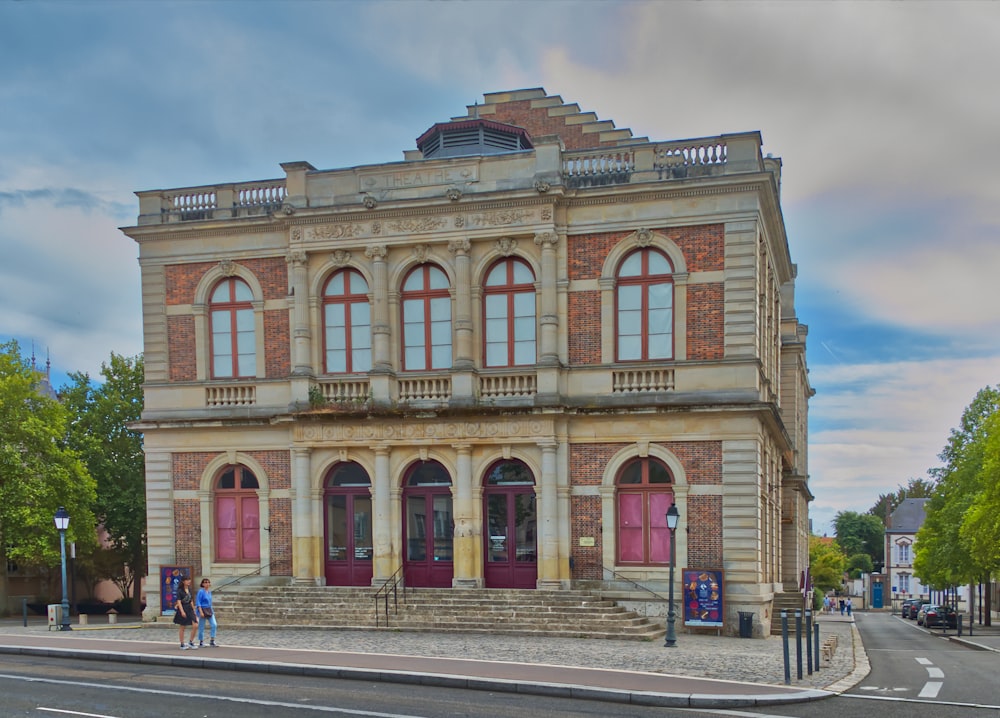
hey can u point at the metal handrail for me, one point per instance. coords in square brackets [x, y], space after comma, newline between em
[392, 585]
[626, 579]
[236, 580]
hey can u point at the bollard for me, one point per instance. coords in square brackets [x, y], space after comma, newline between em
[816, 644]
[83, 619]
[24, 611]
[809, 645]
[784, 646]
[960, 625]
[112, 616]
[798, 645]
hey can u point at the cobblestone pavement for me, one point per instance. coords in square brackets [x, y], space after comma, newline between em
[695, 655]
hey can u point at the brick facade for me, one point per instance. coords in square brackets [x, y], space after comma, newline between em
[187, 534]
[538, 122]
[704, 522]
[584, 315]
[706, 321]
[181, 349]
[280, 537]
[587, 562]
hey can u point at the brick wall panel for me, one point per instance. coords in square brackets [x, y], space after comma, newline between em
[704, 521]
[706, 321]
[181, 349]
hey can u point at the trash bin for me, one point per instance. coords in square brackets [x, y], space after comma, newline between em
[746, 624]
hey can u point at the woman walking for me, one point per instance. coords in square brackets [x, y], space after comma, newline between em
[184, 614]
[203, 604]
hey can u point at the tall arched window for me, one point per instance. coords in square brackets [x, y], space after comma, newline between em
[237, 515]
[426, 319]
[509, 314]
[234, 345]
[347, 336]
[644, 492]
[644, 298]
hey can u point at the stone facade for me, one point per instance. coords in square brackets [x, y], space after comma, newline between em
[724, 415]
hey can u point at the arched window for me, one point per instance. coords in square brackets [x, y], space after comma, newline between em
[509, 314]
[644, 493]
[644, 311]
[234, 346]
[237, 515]
[426, 319]
[347, 336]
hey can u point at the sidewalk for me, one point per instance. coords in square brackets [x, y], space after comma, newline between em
[701, 671]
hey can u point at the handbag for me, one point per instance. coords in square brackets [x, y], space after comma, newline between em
[206, 611]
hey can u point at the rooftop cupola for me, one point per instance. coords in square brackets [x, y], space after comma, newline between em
[472, 137]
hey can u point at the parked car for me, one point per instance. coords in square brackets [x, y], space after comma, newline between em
[940, 616]
[904, 609]
[915, 609]
[922, 613]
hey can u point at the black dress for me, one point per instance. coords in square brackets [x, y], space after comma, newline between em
[184, 596]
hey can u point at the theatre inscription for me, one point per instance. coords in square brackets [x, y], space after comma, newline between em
[456, 175]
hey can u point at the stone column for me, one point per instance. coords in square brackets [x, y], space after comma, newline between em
[549, 345]
[383, 563]
[380, 308]
[467, 533]
[463, 303]
[548, 533]
[302, 523]
[301, 334]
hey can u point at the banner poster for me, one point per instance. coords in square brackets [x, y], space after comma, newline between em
[170, 581]
[703, 597]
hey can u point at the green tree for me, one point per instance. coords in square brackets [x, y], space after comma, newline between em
[980, 529]
[113, 454]
[39, 472]
[861, 533]
[826, 564]
[858, 564]
[943, 557]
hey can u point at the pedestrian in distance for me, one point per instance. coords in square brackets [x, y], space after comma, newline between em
[842, 607]
[848, 607]
[184, 613]
[206, 614]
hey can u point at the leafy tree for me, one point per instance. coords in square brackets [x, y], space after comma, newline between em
[39, 472]
[943, 556]
[826, 564]
[980, 530]
[860, 533]
[113, 453]
[858, 564]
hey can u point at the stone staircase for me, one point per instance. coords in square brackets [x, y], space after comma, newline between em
[576, 614]
[790, 601]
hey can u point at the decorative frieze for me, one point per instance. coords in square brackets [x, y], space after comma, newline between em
[529, 429]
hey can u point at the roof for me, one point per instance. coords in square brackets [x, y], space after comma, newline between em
[908, 516]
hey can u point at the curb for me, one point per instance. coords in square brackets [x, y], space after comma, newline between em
[537, 688]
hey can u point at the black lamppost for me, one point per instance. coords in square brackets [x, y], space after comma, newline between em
[673, 516]
[62, 523]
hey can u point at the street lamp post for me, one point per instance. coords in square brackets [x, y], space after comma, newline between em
[62, 523]
[673, 516]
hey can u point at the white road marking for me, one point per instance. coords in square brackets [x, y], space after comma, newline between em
[933, 672]
[73, 713]
[930, 690]
[924, 661]
[206, 696]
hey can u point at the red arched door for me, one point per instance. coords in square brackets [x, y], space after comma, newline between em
[428, 525]
[511, 555]
[348, 525]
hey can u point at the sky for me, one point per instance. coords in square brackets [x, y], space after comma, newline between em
[885, 116]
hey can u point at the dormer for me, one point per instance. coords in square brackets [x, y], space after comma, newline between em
[463, 138]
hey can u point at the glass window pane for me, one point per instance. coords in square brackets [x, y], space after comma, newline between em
[247, 364]
[496, 355]
[220, 293]
[363, 544]
[496, 330]
[441, 357]
[496, 305]
[440, 308]
[527, 521]
[414, 281]
[632, 266]
[658, 264]
[244, 320]
[356, 283]
[334, 315]
[335, 287]
[443, 529]
[222, 366]
[524, 353]
[413, 310]
[496, 508]
[413, 335]
[631, 474]
[336, 361]
[245, 342]
[441, 332]
[630, 297]
[658, 474]
[660, 320]
[437, 279]
[660, 295]
[336, 528]
[497, 276]
[660, 346]
[221, 322]
[524, 304]
[360, 337]
[336, 339]
[629, 323]
[360, 314]
[524, 328]
[243, 293]
[629, 348]
[416, 528]
[362, 360]
[414, 358]
[523, 273]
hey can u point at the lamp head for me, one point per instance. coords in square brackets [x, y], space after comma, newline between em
[61, 519]
[673, 517]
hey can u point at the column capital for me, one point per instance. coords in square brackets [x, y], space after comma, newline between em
[546, 240]
[376, 252]
[297, 258]
[459, 246]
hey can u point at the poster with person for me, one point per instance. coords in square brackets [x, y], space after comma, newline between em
[170, 580]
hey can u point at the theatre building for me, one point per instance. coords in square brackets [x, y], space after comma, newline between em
[495, 363]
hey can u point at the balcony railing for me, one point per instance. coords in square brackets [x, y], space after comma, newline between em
[630, 381]
[223, 201]
[345, 391]
[424, 389]
[231, 395]
[502, 386]
[596, 168]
